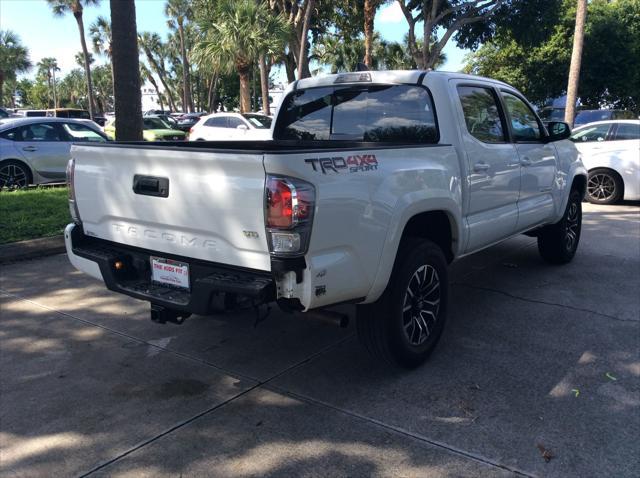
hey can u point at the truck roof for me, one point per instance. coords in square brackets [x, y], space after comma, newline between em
[387, 76]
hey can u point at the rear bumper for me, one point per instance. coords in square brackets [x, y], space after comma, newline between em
[208, 280]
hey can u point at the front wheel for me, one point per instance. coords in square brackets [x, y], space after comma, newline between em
[14, 174]
[403, 327]
[557, 243]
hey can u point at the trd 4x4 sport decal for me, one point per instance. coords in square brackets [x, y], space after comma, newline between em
[352, 164]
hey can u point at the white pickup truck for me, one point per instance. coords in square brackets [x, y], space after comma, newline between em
[372, 184]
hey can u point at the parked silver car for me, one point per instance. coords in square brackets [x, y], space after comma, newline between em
[36, 150]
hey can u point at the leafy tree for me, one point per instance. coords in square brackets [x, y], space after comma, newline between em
[447, 16]
[610, 73]
[238, 33]
[76, 7]
[14, 59]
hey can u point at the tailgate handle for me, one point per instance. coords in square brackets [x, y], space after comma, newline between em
[151, 186]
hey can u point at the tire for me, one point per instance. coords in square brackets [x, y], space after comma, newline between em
[604, 186]
[402, 337]
[557, 243]
[14, 174]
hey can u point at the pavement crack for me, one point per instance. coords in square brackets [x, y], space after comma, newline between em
[404, 432]
[538, 301]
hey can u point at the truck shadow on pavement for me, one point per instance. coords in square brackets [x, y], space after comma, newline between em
[534, 359]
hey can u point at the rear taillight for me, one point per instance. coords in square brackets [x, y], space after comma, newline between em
[73, 205]
[289, 205]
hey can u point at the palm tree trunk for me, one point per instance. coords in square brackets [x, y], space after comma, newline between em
[87, 68]
[55, 98]
[369, 15]
[156, 67]
[126, 71]
[303, 66]
[245, 94]
[152, 80]
[264, 84]
[1, 84]
[576, 59]
[290, 66]
[187, 101]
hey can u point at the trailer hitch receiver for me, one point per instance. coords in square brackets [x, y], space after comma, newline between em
[162, 315]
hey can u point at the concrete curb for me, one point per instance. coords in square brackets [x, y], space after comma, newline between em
[20, 251]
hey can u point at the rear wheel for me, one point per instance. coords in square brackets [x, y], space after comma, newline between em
[14, 174]
[557, 243]
[403, 327]
[604, 186]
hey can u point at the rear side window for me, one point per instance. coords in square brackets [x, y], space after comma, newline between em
[235, 122]
[628, 131]
[376, 113]
[481, 114]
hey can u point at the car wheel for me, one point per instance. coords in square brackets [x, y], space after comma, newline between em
[403, 327]
[558, 243]
[14, 175]
[604, 186]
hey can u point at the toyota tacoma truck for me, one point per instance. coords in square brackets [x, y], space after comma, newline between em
[372, 183]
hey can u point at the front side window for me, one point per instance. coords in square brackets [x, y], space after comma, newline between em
[80, 132]
[628, 131]
[481, 114]
[589, 134]
[235, 122]
[524, 123]
[373, 113]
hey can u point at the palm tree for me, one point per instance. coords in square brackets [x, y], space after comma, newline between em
[235, 34]
[100, 33]
[146, 75]
[370, 8]
[152, 47]
[126, 70]
[179, 12]
[76, 7]
[48, 67]
[80, 59]
[14, 58]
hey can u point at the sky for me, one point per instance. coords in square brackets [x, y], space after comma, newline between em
[49, 36]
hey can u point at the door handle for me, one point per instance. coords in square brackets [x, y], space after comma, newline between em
[479, 167]
[29, 148]
[525, 161]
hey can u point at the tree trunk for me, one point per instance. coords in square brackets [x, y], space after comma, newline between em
[576, 60]
[369, 15]
[290, 66]
[303, 64]
[155, 86]
[211, 94]
[264, 84]
[156, 67]
[1, 84]
[245, 98]
[126, 71]
[187, 103]
[55, 97]
[87, 67]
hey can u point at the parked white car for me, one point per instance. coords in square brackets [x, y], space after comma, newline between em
[232, 127]
[611, 153]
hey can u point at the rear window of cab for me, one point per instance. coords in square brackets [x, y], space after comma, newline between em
[372, 113]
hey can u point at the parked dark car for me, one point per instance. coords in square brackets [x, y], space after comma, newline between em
[187, 120]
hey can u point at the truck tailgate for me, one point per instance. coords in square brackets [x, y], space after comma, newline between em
[213, 209]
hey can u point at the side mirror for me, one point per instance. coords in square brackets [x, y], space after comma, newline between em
[558, 130]
[242, 127]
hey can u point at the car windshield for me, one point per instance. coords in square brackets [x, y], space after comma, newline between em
[155, 123]
[555, 114]
[81, 114]
[258, 121]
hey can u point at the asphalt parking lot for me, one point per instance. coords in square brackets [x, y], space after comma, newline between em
[537, 374]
